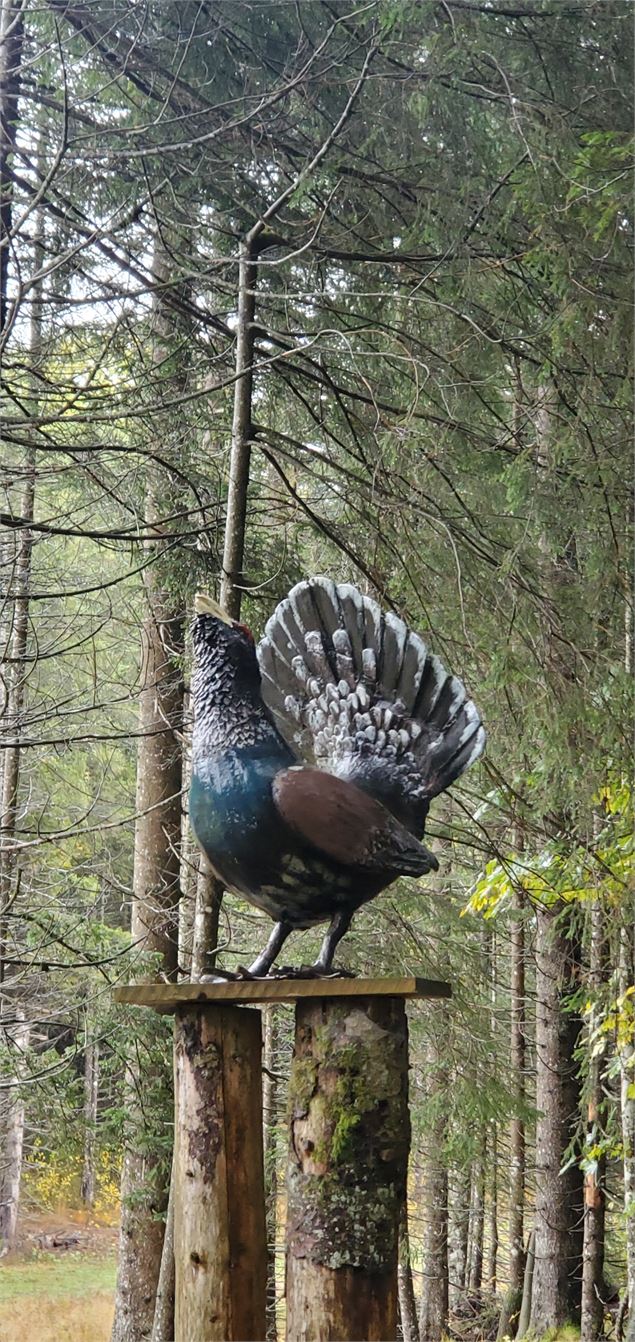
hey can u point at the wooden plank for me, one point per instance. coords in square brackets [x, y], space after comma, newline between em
[219, 1213]
[167, 997]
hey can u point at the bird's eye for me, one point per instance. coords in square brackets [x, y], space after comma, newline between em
[244, 629]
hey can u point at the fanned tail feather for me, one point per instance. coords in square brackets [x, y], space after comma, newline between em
[361, 693]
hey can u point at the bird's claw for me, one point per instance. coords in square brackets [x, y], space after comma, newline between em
[244, 975]
[238, 975]
[219, 976]
[309, 972]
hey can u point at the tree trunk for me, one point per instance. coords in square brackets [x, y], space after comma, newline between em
[528, 1283]
[163, 1322]
[91, 1095]
[209, 894]
[348, 1157]
[458, 1233]
[219, 1213]
[558, 1197]
[155, 901]
[592, 1311]
[626, 1051]
[405, 1286]
[18, 584]
[517, 1129]
[11, 43]
[189, 871]
[516, 1270]
[232, 580]
[491, 1235]
[433, 1306]
[12, 1133]
[477, 1222]
[559, 1210]
[15, 675]
[626, 1048]
[270, 1146]
[491, 1260]
[144, 1190]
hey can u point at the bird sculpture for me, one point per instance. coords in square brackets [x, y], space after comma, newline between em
[315, 757]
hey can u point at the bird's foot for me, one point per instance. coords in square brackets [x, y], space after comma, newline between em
[244, 975]
[309, 972]
[239, 975]
[218, 976]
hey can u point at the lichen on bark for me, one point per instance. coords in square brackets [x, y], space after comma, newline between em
[350, 1133]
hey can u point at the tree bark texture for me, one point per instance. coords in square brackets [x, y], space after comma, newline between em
[156, 888]
[240, 456]
[270, 1147]
[626, 1051]
[11, 43]
[209, 894]
[477, 1222]
[346, 1183]
[491, 1257]
[558, 1197]
[16, 668]
[528, 1282]
[515, 1274]
[163, 1322]
[156, 883]
[559, 1213]
[433, 1305]
[16, 671]
[433, 1309]
[517, 1127]
[592, 1308]
[189, 868]
[458, 1230]
[12, 1135]
[91, 1096]
[406, 1291]
[219, 1213]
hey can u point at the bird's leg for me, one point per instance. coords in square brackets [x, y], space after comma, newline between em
[323, 967]
[263, 962]
[338, 926]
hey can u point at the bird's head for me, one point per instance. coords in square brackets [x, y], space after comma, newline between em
[225, 650]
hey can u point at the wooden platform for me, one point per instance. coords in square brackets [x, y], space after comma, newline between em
[168, 997]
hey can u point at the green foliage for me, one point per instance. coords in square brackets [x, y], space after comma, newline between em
[558, 875]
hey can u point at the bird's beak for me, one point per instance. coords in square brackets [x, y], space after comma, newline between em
[203, 605]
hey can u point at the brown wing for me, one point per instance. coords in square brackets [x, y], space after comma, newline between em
[347, 824]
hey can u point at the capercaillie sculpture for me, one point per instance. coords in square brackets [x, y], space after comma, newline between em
[316, 755]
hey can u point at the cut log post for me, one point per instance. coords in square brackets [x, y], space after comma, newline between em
[346, 1181]
[219, 1213]
[350, 1136]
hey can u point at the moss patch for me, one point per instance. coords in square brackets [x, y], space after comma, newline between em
[350, 1132]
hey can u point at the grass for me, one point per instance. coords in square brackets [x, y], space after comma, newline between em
[67, 1300]
[57, 1319]
[568, 1333]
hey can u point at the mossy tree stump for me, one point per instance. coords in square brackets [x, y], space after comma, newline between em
[346, 1181]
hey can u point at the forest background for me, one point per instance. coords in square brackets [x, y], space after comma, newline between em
[325, 288]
